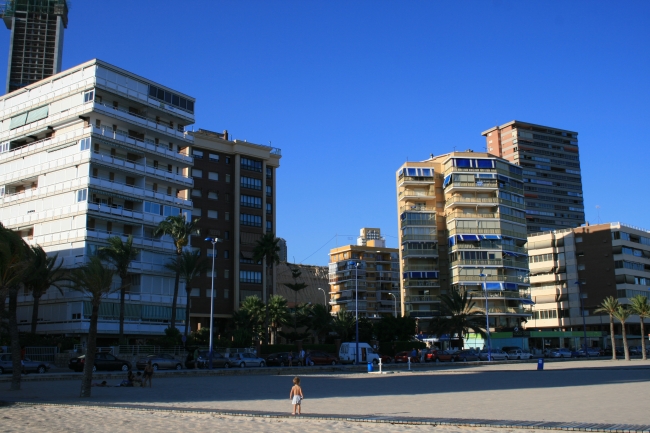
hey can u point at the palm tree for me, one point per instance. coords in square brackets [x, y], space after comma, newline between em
[343, 323]
[43, 273]
[278, 315]
[459, 315]
[622, 313]
[180, 231]
[254, 308]
[267, 250]
[120, 255]
[190, 265]
[610, 306]
[296, 287]
[320, 321]
[13, 266]
[95, 280]
[639, 306]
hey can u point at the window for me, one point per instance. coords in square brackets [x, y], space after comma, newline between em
[226, 254]
[250, 220]
[213, 195]
[197, 154]
[213, 176]
[581, 267]
[213, 214]
[226, 235]
[269, 226]
[89, 96]
[4, 147]
[195, 292]
[226, 273]
[197, 173]
[227, 160]
[250, 183]
[196, 192]
[227, 178]
[578, 239]
[84, 144]
[196, 212]
[269, 190]
[212, 253]
[227, 216]
[253, 277]
[171, 98]
[82, 195]
[214, 157]
[269, 208]
[251, 164]
[249, 201]
[269, 172]
[226, 293]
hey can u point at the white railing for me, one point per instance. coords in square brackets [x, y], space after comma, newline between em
[140, 168]
[152, 147]
[35, 168]
[37, 146]
[138, 192]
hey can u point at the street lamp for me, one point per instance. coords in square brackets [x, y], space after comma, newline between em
[213, 241]
[324, 296]
[582, 310]
[394, 302]
[356, 310]
[487, 316]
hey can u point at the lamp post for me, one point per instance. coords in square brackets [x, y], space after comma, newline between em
[487, 316]
[356, 311]
[394, 303]
[213, 241]
[582, 310]
[324, 296]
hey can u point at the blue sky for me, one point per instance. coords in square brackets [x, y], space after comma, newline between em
[351, 90]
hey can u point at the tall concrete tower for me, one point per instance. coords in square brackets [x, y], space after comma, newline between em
[36, 44]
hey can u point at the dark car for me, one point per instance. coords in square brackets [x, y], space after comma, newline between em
[203, 361]
[282, 359]
[385, 359]
[608, 351]
[404, 357]
[447, 356]
[161, 361]
[6, 365]
[322, 358]
[103, 361]
[467, 355]
[431, 355]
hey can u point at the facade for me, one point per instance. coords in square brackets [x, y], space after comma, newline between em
[93, 152]
[282, 243]
[574, 270]
[316, 278]
[234, 198]
[36, 44]
[364, 277]
[550, 160]
[474, 203]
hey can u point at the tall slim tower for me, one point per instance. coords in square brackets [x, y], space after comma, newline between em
[36, 44]
[550, 160]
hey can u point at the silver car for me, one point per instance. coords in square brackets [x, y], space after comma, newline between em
[497, 355]
[519, 354]
[6, 365]
[161, 361]
[246, 360]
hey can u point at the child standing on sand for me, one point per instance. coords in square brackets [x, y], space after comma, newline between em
[296, 396]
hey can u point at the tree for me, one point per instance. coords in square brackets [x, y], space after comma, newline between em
[95, 280]
[320, 321]
[120, 255]
[610, 306]
[179, 230]
[278, 315]
[13, 266]
[266, 249]
[254, 308]
[459, 315]
[188, 265]
[296, 287]
[390, 328]
[343, 324]
[639, 306]
[43, 273]
[622, 313]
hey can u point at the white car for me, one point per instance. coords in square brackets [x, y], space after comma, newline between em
[246, 360]
[497, 355]
[519, 354]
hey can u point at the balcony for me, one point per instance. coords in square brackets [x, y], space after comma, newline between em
[136, 168]
[406, 252]
[41, 167]
[37, 146]
[411, 282]
[410, 193]
[423, 314]
[482, 201]
[499, 278]
[486, 246]
[497, 262]
[119, 211]
[140, 145]
[500, 294]
[506, 311]
[421, 299]
[497, 215]
[452, 169]
[137, 192]
[416, 208]
[406, 238]
[415, 180]
[427, 267]
[477, 231]
[482, 185]
[412, 222]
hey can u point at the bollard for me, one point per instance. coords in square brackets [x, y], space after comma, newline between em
[540, 364]
[370, 367]
[379, 365]
[409, 362]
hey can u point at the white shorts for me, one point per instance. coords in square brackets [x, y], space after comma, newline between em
[296, 399]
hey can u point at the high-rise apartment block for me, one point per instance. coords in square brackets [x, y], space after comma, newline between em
[550, 160]
[93, 152]
[462, 225]
[365, 277]
[234, 197]
[574, 270]
[36, 44]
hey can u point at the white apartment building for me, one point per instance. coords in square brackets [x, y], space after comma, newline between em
[92, 152]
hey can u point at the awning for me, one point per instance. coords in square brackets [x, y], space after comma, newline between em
[491, 237]
[446, 181]
[469, 238]
[527, 302]
[511, 254]
[114, 195]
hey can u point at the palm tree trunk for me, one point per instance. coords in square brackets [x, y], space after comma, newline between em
[611, 331]
[625, 348]
[187, 311]
[122, 296]
[37, 300]
[176, 280]
[15, 340]
[86, 381]
[643, 340]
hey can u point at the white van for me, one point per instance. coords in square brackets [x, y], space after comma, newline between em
[366, 353]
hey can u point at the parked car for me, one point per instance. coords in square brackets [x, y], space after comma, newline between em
[404, 357]
[161, 361]
[607, 351]
[519, 354]
[507, 349]
[467, 355]
[246, 360]
[203, 361]
[282, 359]
[366, 353]
[103, 361]
[385, 359]
[636, 350]
[497, 355]
[431, 355]
[322, 358]
[6, 365]
[562, 352]
[447, 356]
[590, 352]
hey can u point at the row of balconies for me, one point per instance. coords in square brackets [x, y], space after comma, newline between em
[498, 278]
[481, 231]
[491, 215]
[494, 262]
[488, 245]
[482, 184]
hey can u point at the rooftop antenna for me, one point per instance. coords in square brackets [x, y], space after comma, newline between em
[598, 210]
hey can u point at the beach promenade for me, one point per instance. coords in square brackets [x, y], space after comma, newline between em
[593, 392]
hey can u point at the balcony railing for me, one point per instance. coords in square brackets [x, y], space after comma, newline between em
[505, 247]
[137, 192]
[37, 146]
[495, 262]
[499, 278]
[421, 299]
[452, 169]
[412, 193]
[419, 238]
[477, 231]
[500, 294]
[406, 252]
[493, 215]
[484, 185]
[140, 168]
[417, 208]
[140, 144]
[428, 223]
[506, 310]
[431, 267]
[421, 283]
